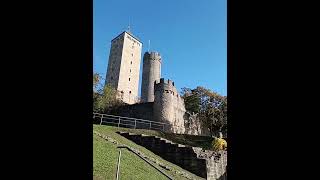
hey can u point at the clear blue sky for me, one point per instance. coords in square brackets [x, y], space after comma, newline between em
[190, 35]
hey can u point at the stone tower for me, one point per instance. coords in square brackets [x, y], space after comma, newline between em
[124, 66]
[151, 72]
[168, 106]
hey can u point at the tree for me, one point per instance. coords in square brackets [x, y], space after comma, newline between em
[210, 106]
[192, 100]
[105, 98]
[96, 81]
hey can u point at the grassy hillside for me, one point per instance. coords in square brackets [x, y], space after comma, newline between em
[132, 167]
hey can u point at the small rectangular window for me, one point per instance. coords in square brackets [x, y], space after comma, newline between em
[130, 70]
[129, 79]
[131, 62]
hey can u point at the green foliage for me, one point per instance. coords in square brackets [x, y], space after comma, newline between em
[210, 106]
[96, 81]
[104, 99]
[105, 159]
[192, 100]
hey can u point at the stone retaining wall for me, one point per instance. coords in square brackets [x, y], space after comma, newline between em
[207, 164]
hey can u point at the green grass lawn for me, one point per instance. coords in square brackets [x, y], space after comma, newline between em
[105, 156]
[105, 159]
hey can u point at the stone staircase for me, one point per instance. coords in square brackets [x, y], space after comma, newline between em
[181, 155]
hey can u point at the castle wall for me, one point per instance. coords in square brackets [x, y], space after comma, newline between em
[140, 111]
[168, 106]
[179, 110]
[217, 167]
[192, 124]
[216, 163]
[151, 73]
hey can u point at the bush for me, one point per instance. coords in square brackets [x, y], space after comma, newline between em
[219, 144]
[105, 100]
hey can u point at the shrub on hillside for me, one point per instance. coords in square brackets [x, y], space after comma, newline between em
[219, 144]
[104, 96]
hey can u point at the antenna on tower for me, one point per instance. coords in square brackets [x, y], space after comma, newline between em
[129, 25]
[149, 47]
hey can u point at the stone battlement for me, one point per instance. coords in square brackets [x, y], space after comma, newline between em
[164, 82]
[152, 56]
[166, 86]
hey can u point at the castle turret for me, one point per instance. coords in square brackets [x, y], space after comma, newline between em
[151, 72]
[168, 106]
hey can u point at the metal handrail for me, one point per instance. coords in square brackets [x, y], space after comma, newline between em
[149, 121]
[116, 120]
[128, 118]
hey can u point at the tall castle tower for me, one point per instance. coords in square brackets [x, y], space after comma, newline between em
[124, 66]
[151, 72]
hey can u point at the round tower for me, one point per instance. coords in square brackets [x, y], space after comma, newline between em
[151, 72]
[163, 101]
[167, 107]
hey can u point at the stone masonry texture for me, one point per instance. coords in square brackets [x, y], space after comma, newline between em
[151, 72]
[204, 163]
[124, 66]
